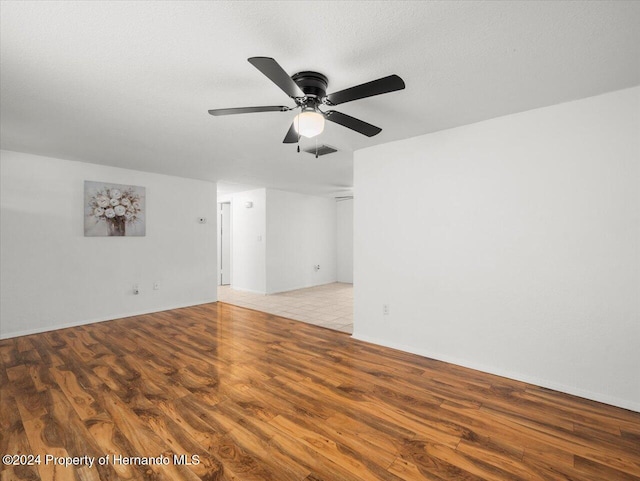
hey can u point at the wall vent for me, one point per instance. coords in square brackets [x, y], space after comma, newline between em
[322, 150]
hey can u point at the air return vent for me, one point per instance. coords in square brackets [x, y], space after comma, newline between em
[321, 150]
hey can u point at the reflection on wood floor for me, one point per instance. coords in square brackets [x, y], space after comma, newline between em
[258, 397]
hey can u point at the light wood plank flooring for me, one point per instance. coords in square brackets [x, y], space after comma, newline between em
[258, 397]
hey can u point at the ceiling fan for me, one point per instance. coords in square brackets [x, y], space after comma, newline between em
[309, 91]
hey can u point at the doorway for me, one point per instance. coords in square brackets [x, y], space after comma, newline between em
[224, 246]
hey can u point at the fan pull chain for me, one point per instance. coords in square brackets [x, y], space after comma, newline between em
[298, 129]
[316, 147]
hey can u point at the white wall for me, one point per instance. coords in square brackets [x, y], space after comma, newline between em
[344, 241]
[52, 276]
[276, 242]
[301, 233]
[248, 238]
[510, 246]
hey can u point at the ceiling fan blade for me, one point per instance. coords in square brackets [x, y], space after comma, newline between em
[375, 87]
[292, 136]
[248, 110]
[352, 123]
[277, 75]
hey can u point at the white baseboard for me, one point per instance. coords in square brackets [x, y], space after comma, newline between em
[593, 396]
[55, 327]
[289, 289]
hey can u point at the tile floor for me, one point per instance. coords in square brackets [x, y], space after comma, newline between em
[330, 305]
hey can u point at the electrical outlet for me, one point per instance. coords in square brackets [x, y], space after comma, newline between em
[136, 289]
[385, 309]
[156, 285]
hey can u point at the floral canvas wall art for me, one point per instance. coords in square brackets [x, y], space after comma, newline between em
[113, 210]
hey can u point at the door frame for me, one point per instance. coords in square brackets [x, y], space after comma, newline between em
[224, 233]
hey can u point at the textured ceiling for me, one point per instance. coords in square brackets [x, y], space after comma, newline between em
[129, 83]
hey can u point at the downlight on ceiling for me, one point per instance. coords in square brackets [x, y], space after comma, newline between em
[309, 123]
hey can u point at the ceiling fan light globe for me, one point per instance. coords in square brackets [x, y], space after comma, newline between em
[309, 124]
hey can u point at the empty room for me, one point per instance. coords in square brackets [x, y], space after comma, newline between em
[345, 240]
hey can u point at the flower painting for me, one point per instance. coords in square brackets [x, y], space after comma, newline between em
[113, 210]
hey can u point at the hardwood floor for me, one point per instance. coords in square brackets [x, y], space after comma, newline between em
[258, 397]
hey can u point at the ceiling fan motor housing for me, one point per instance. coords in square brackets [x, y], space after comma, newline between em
[313, 84]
